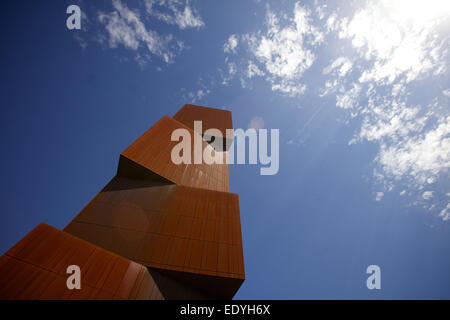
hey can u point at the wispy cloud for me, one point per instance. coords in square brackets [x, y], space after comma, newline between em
[349, 98]
[282, 51]
[427, 195]
[202, 89]
[130, 28]
[125, 27]
[396, 43]
[419, 156]
[229, 74]
[397, 37]
[342, 65]
[231, 44]
[379, 196]
[393, 46]
[445, 213]
[195, 96]
[180, 13]
[253, 70]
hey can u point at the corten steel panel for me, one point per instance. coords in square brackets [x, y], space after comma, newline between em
[150, 154]
[210, 117]
[190, 230]
[35, 268]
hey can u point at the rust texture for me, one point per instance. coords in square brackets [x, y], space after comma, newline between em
[152, 153]
[210, 117]
[157, 230]
[35, 268]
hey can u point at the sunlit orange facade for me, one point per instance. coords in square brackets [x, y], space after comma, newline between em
[157, 230]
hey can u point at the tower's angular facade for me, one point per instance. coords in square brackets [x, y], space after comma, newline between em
[157, 230]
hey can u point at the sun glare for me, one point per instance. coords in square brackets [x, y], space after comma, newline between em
[418, 12]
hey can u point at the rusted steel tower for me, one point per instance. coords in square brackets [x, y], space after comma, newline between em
[157, 230]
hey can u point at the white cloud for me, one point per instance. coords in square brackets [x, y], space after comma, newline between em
[427, 195]
[445, 213]
[256, 123]
[129, 27]
[284, 51]
[281, 50]
[332, 22]
[391, 121]
[232, 68]
[419, 156]
[395, 44]
[330, 87]
[253, 70]
[348, 99]
[289, 88]
[398, 38]
[398, 89]
[201, 93]
[231, 72]
[181, 14]
[431, 180]
[231, 44]
[201, 89]
[120, 32]
[197, 95]
[320, 10]
[379, 196]
[125, 27]
[142, 60]
[345, 66]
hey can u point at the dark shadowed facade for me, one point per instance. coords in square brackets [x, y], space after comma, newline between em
[157, 230]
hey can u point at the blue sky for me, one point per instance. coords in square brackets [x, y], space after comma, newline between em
[360, 93]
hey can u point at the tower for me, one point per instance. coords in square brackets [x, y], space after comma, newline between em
[157, 230]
